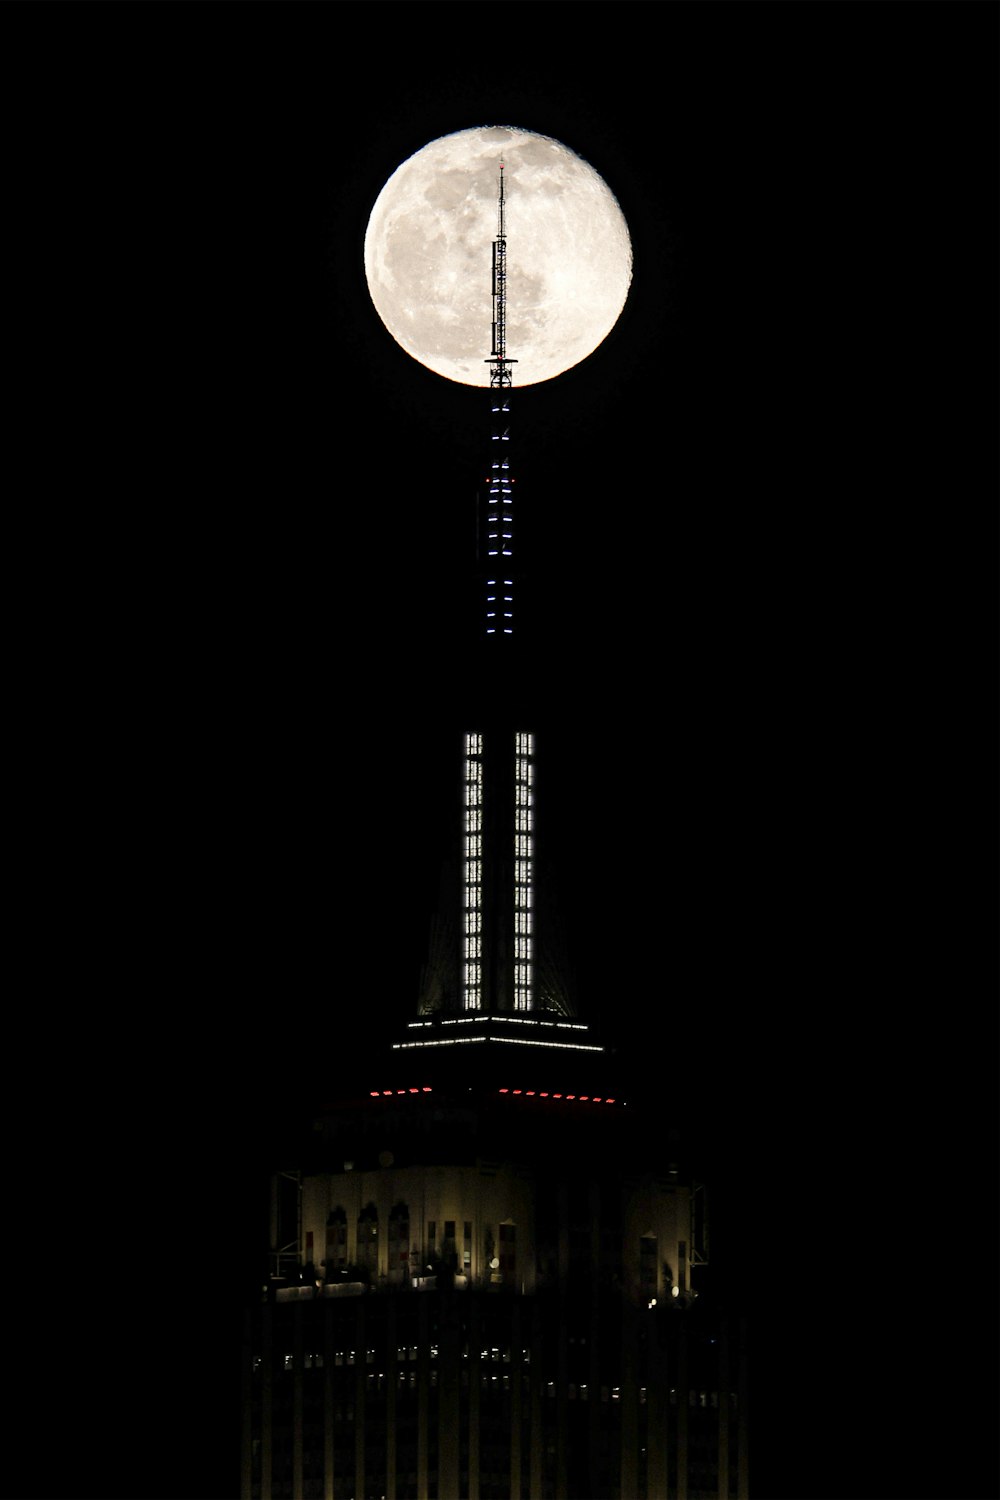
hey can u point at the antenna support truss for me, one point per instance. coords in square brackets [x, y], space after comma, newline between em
[500, 371]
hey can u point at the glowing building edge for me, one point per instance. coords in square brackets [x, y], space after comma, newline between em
[512, 1041]
[486, 1019]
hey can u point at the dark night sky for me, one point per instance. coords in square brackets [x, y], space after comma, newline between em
[767, 710]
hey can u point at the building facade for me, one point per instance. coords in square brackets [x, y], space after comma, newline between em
[483, 1289]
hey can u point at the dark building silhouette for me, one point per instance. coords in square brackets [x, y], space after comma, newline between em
[484, 1268]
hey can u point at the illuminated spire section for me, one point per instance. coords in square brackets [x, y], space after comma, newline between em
[524, 775]
[472, 884]
[497, 519]
[498, 882]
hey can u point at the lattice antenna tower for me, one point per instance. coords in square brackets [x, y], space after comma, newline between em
[500, 374]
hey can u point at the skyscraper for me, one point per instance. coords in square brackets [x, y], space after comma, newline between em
[484, 1263]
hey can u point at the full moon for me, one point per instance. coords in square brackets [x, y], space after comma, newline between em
[428, 254]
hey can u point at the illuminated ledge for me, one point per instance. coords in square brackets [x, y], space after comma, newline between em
[503, 1018]
[548, 1094]
[381, 1094]
[445, 1041]
[512, 1041]
[527, 1041]
[310, 1293]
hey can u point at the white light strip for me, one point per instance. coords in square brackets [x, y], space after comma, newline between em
[524, 746]
[503, 1020]
[455, 1041]
[472, 979]
[530, 1042]
[449, 1041]
[531, 1021]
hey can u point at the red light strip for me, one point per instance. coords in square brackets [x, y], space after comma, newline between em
[527, 1093]
[544, 1094]
[388, 1093]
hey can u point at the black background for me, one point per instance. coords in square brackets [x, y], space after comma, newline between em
[766, 668]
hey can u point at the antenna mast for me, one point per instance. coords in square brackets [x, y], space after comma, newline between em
[500, 373]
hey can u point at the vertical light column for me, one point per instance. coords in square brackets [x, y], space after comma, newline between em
[472, 876]
[629, 1409]
[246, 1405]
[423, 1397]
[329, 1449]
[524, 771]
[360, 1370]
[390, 1398]
[266, 1400]
[499, 549]
[742, 1469]
[722, 1384]
[517, 1369]
[298, 1424]
[683, 1402]
[500, 526]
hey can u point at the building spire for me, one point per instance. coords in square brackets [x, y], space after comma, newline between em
[496, 980]
[500, 373]
[496, 551]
